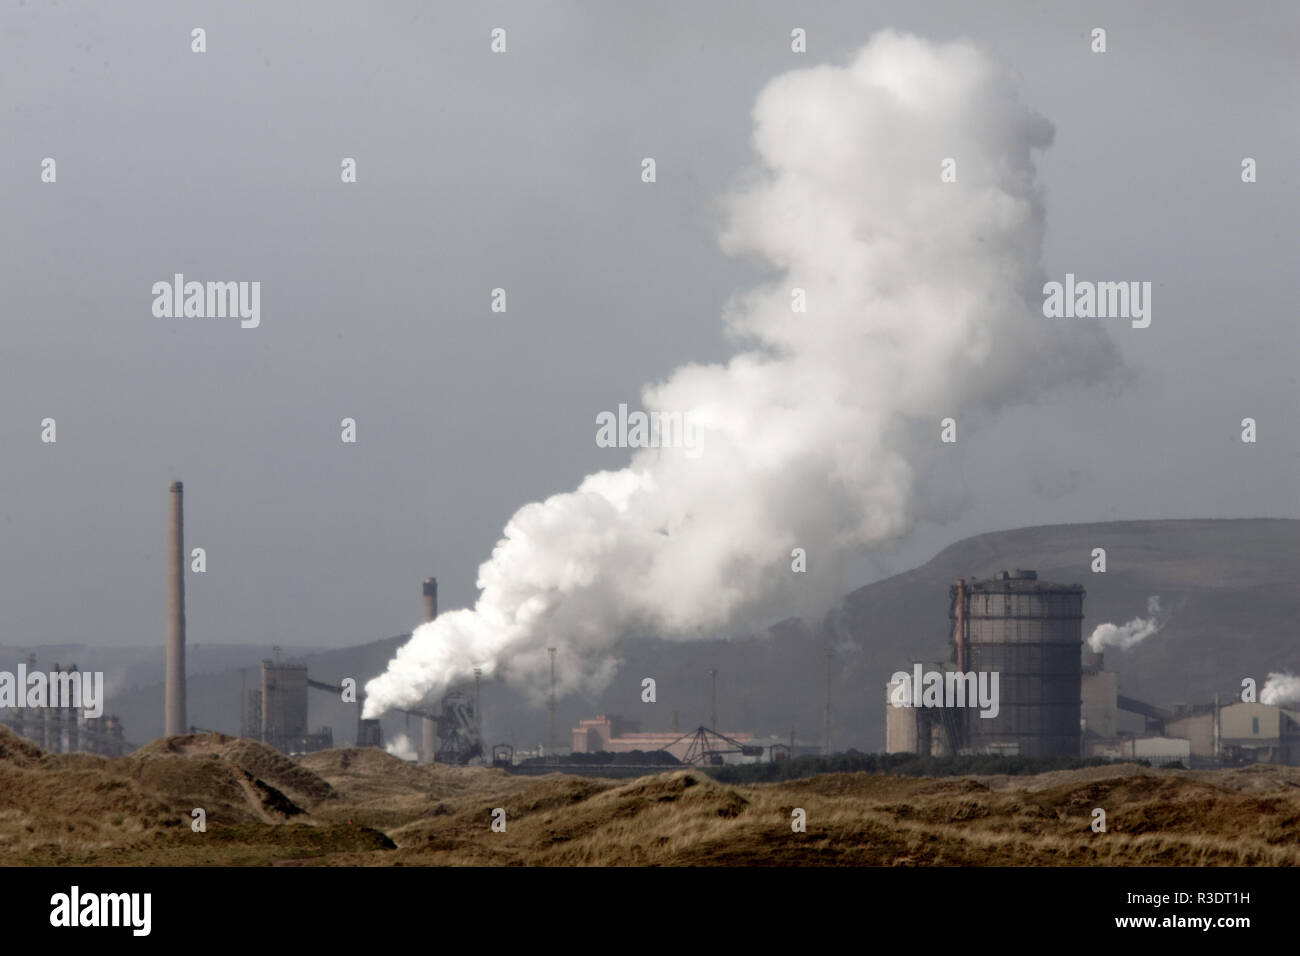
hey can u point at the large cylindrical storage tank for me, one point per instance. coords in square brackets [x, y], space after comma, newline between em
[1030, 633]
[900, 725]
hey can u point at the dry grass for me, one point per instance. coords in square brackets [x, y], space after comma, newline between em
[364, 807]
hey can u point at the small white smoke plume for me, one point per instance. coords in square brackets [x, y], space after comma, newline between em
[1126, 635]
[401, 748]
[924, 301]
[1281, 690]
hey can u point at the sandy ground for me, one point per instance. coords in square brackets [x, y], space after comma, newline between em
[365, 807]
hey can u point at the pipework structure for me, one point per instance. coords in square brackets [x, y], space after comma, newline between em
[65, 730]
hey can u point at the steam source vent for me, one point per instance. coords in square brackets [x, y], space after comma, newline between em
[1030, 633]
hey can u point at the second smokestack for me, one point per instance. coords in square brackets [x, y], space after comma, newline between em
[174, 722]
[427, 730]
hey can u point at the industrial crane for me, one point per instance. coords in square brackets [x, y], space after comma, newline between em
[709, 747]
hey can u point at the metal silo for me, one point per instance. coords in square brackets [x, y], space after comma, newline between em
[1030, 633]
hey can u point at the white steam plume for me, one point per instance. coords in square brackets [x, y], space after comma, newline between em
[1125, 636]
[1281, 690]
[924, 301]
[401, 748]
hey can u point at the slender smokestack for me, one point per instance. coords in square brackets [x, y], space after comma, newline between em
[427, 734]
[175, 706]
[430, 599]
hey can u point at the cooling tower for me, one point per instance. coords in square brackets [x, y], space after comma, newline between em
[1030, 633]
[174, 713]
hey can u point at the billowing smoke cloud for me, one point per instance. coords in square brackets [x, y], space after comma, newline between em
[924, 301]
[1281, 690]
[1135, 631]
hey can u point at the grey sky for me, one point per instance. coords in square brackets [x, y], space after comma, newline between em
[522, 171]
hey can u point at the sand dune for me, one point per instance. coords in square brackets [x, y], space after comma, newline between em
[365, 807]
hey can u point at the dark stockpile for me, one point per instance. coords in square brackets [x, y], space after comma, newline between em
[605, 758]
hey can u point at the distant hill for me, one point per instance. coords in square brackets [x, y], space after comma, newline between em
[1229, 585]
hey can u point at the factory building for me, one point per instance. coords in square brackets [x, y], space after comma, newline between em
[1197, 725]
[1050, 701]
[275, 711]
[1055, 700]
[1239, 733]
[614, 734]
[281, 708]
[1108, 721]
[1099, 710]
[284, 701]
[1260, 732]
[65, 730]
[1162, 751]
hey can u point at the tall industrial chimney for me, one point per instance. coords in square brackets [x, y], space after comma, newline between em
[175, 695]
[430, 592]
[427, 735]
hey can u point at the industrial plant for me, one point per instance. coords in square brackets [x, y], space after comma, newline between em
[1056, 699]
[275, 712]
[1016, 679]
[65, 730]
[618, 735]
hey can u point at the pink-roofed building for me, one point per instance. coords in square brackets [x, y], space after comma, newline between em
[614, 734]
